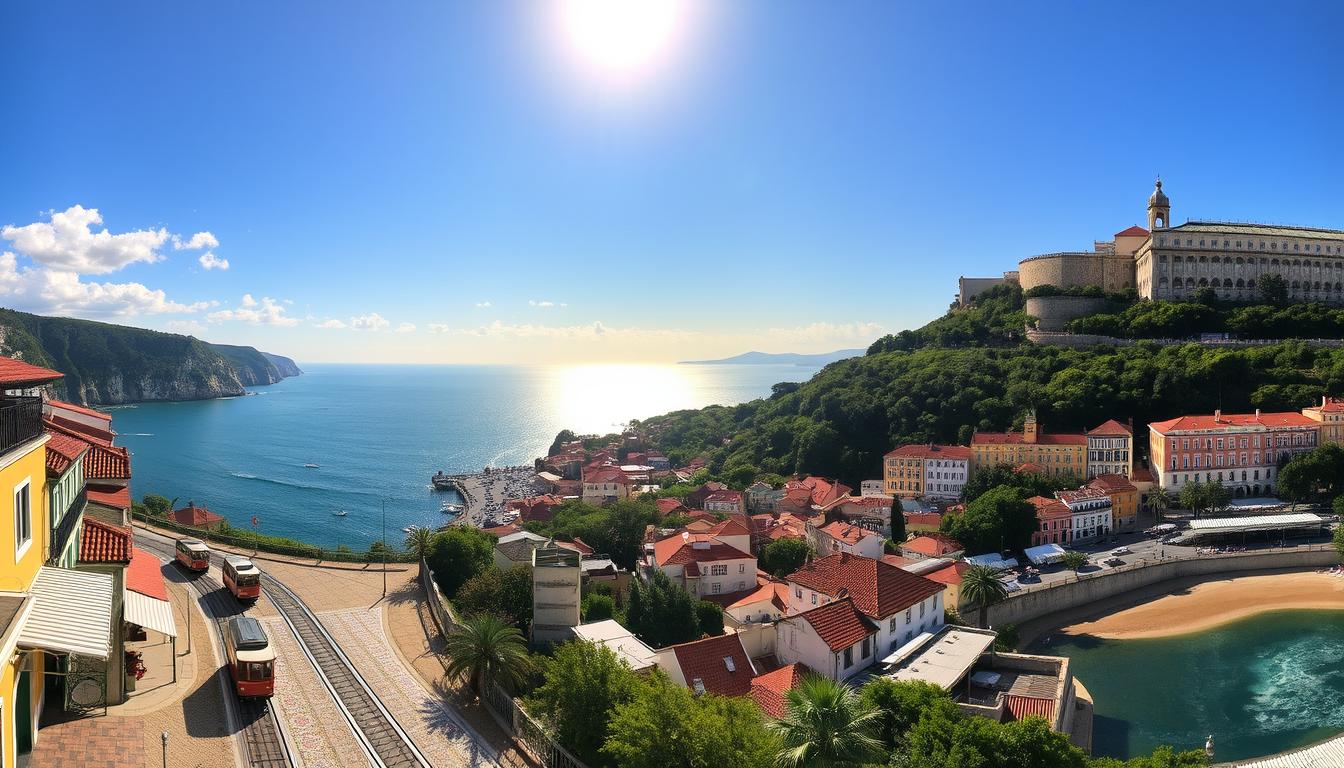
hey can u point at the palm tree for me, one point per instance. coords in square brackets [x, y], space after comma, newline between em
[980, 584]
[418, 542]
[825, 726]
[486, 650]
[1160, 502]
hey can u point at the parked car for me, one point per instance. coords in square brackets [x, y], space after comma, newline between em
[1121, 551]
[1114, 561]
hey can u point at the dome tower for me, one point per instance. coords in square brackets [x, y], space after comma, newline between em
[1159, 209]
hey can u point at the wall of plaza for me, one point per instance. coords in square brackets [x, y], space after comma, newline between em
[1111, 271]
[1088, 590]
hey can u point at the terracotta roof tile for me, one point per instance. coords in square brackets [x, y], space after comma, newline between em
[16, 373]
[674, 550]
[770, 689]
[933, 545]
[194, 515]
[104, 543]
[63, 451]
[1111, 427]
[707, 660]
[1113, 483]
[63, 405]
[840, 623]
[931, 451]
[144, 575]
[668, 506]
[107, 463]
[1233, 421]
[877, 588]
[850, 534]
[1135, 231]
[79, 430]
[115, 498]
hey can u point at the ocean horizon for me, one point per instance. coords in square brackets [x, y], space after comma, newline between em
[378, 432]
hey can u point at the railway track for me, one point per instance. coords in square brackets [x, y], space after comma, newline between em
[261, 731]
[384, 742]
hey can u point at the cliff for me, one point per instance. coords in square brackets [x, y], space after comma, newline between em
[255, 367]
[106, 364]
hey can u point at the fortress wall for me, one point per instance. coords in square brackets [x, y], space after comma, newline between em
[1052, 313]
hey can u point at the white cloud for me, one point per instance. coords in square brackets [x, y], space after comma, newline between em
[370, 322]
[439, 328]
[210, 261]
[823, 332]
[331, 323]
[406, 328]
[68, 243]
[587, 332]
[198, 241]
[57, 292]
[265, 312]
[482, 304]
[187, 327]
[544, 304]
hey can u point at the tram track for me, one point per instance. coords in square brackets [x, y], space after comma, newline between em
[262, 732]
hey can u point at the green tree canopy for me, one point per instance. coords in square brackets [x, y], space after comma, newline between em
[660, 612]
[457, 554]
[999, 519]
[782, 557]
[584, 683]
[506, 594]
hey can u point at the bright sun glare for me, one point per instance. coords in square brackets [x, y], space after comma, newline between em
[621, 41]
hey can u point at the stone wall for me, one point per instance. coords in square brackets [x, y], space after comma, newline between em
[1052, 313]
[1041, 601]
[1110, 271]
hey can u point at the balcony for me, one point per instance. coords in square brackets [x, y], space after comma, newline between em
[65, 527]
[20, 421]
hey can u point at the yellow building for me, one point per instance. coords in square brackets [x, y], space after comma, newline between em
[1124, 499]
[47, 614]
[1331, 415]
[1052, 455]
[932, 471]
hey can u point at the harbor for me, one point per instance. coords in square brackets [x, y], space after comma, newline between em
[486, 493]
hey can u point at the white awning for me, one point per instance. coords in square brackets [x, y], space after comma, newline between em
[1045, 553]
[1255, 523]
[150, 612]
[72, 613]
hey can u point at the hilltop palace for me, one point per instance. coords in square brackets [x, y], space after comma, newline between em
[1166, 262]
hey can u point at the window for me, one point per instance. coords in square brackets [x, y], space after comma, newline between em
[728, 662]
[849, 657]
[907, 615]
[814, 598]
[23, 519]
[892, 626]
[921, 609]
[716, 588]
[741, 567]
[798, 592]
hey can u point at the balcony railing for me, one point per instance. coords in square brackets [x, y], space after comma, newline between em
[65, 527]
[20, 421]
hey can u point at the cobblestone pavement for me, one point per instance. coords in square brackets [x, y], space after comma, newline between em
[436, 730]
[91, 742]
[316, 726]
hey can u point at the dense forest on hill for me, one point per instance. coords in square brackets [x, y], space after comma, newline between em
[106, 364]
[965, 372]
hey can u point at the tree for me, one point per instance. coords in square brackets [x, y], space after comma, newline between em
[900, 704]
[1273, 289]
[782, 557]
[457, 554]
[506, 594]
[156, 505]
[485, 650]
[898, 532]
[1195, 496]
[1159, 501]
[981, 586]
[943, 739]
[1162, 757]
[1339, 540]
[1074, 560]
[584, 683]
[826, 725]
[598, 607]
[1000, 519]
[664, 726]
[419, 541]
[660, 612]
[710, 618]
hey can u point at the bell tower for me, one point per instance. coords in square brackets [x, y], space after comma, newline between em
[1030, 431]
[1159, 209]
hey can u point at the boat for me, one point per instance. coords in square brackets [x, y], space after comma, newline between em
[442, 481]
[340, 513]
[410, 528]
[450, 508]
[311, 466]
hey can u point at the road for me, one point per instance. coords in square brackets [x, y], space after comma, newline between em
[262, 733]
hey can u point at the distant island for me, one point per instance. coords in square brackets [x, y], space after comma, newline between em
[780, 358]
[106, 364]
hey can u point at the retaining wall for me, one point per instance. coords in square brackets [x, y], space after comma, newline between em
[1053, 313]
[1037, 602]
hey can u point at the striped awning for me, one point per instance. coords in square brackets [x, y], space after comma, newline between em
[72, 613]
[150, 613]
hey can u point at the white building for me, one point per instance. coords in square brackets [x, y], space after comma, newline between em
[843, 537]
[1110, 450]
[1090, 514]
[703, 564]
[555, 594]
[625, 645]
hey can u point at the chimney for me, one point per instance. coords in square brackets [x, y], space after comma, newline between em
[1218, 414]
[1257, 414]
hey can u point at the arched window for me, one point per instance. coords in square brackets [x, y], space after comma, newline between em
[1176, 259]
[1161, 282]
[1203, 259]
[1214, 283]
[1274, 263]
[1240, 261]
[1241, 283]
[1250, 283]
[1203, 282]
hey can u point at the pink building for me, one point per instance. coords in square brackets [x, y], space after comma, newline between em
[1242, 451]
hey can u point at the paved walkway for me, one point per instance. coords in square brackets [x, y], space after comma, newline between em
[93, 742]
[425, 716]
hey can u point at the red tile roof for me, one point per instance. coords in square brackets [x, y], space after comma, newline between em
[674, 550]
[770, 689]
[1329, 405]
[79, 429]
[194, 515]
[1111, 428]
[535, 507]
[16, 373]
[730, 527]
[1233, 421]
[850, 534]
[63, 451]
[704, 660]
[931, 451]
[949, 574]
[878, 589]
[63, 405]
[897, 560]
[104, 543]
[668, 506]
[116, 498]
[606, 474]
[1135, 231]
[933, 545]
[1113, 483]
[840, 623]
[503, 530]
[1023, 707]
[577, 545]
[1014, 438]
[107, 463]
[725, 496]
[1141, 475]
[1047, 508]
[144, 575]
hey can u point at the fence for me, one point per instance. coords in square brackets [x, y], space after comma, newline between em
[291, 550]
[525, 730]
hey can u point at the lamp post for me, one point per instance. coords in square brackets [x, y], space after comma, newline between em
[164, 737]
[384, 547]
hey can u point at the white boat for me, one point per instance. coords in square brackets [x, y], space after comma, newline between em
[410, 528]
[450, 508]
[340, 513]
[311, 466]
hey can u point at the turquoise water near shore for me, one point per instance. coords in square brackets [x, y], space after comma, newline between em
[379, 432]
[1261, 685]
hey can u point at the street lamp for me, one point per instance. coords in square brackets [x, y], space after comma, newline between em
[164, 737]
[384, 547]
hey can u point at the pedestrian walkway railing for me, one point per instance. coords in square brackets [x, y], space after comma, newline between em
[296, 549]
[530, 735]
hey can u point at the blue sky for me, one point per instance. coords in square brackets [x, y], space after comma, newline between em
[792, 176]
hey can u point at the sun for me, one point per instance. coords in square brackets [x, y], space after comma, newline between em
[622, 41]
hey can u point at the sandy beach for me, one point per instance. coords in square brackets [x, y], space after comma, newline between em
[1191, 605]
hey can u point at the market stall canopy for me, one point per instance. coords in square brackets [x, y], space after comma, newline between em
[1045, 554]
[72, 613]
[150, 613]
[993, 561]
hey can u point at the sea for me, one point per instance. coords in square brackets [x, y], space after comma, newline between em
[378, 432]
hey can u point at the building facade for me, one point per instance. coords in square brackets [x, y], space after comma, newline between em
[1242, 451]
[1330, 414]
[1110, 450]
[556, 577]
[1054, 454]
[926, 471]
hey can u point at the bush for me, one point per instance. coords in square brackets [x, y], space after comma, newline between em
[710, 618]
[598, 607]
[458, 554]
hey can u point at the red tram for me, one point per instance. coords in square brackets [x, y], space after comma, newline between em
[242, 577]
[251, 658]
[193, 555]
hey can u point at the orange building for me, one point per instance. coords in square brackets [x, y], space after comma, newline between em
[1330, 413]
[1064, 454]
